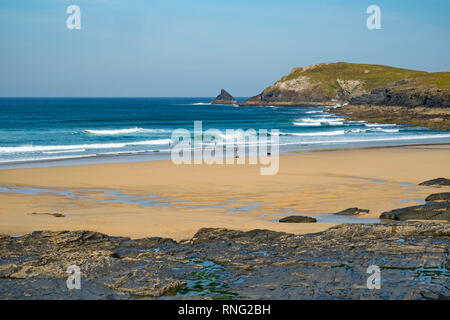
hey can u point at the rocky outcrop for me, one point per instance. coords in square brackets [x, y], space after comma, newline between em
[428, 211]
[357, 84]
[297, 219]
[302, 91]
[224, 98]
[298, 90]
[408, 97]
[436, 182]
[230, 264]
[351, 212]
[434, 118]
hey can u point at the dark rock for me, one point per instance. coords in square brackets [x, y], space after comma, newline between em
[351, 211]
[337, 83]
[428, 211]
[224, 98]
[397, 95]
[435, 118]
[277, 97]
[57, 215]
[436, 182]
[297, 219]
[443, 196]
[206, 235]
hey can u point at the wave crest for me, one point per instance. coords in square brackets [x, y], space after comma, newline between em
[31, 148]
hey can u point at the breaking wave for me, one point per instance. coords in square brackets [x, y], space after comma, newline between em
[74, 148]
[114, 132]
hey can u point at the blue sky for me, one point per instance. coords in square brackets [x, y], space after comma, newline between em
[195, 48]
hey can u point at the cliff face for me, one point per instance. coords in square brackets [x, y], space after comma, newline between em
[407, 93]
[331, 83]
[300, 91]
[224, 98]
[430, 117]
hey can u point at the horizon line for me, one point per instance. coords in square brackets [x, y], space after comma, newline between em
[113, 97]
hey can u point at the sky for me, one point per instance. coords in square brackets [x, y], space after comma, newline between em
[178, 48]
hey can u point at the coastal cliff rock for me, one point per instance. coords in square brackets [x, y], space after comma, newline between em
[430, 117]
[232, 264]
[302, 88]
[357, 84]
[224, 98]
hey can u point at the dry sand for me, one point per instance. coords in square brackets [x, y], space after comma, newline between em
[308, 183]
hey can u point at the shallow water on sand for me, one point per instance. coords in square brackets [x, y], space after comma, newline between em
[232, 206]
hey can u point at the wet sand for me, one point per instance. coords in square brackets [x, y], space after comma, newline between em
[182, 199]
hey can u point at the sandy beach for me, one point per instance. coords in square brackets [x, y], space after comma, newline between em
[161, 199]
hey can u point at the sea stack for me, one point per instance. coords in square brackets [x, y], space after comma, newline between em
[224, 98]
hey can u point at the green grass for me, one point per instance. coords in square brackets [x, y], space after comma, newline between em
[372, 76]
[441, 79]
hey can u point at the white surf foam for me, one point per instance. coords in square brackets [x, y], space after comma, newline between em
[313, 134]
[65, 151]
[322, 119]
[385, 130]
[48, 158]
[321, 123]
[31, 148]
[379, 125]
[373, 130]
[397, 138]
[314, 111]
[111, 132]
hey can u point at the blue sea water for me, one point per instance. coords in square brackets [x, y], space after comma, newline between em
[36, 130]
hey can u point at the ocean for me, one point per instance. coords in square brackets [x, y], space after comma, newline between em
[54, 131]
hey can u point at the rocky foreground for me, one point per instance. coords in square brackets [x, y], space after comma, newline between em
[225, 264]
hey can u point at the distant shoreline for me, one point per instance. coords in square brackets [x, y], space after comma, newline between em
[432, 118]
[165, 156]
[65, 132]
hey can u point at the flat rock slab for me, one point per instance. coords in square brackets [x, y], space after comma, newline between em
[436, 182]
[428, 211]
[351, 212]
[231, 264]
[297, 219]
[443, 196]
